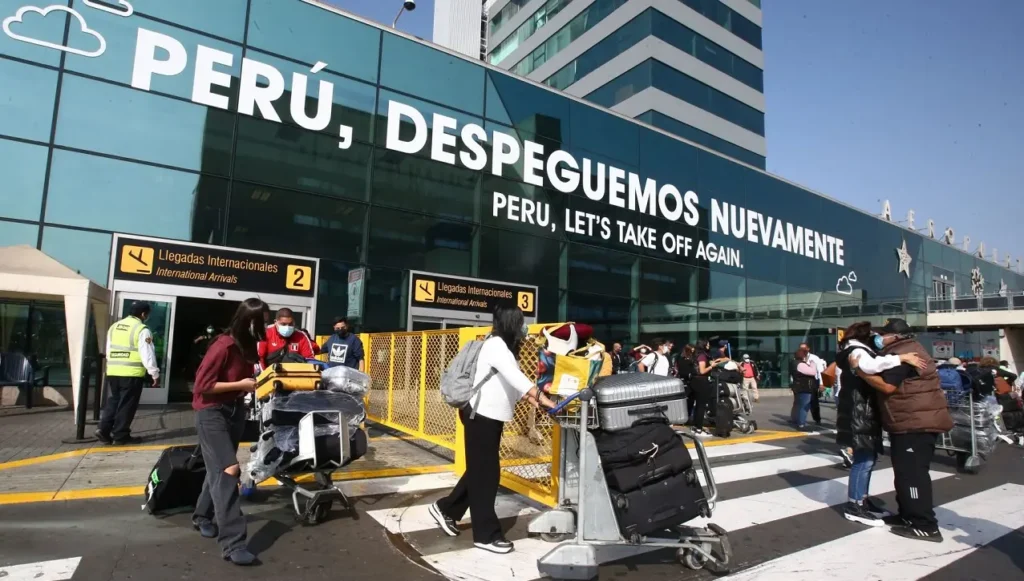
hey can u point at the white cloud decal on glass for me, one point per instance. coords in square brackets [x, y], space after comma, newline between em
[127, 11]
[19, 18]
[844, 285]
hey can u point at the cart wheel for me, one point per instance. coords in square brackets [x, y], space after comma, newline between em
[972, 465]
[691, 559]
[555, 537]
[748, 429]
[961, 461]
[721, 551]
[753, 425]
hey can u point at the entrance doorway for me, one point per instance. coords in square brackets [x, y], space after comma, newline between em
[161, 316]
[192, 319]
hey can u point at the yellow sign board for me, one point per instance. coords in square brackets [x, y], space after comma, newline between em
[425, 291]
[136, 260]
[298, 277]
[525, 301]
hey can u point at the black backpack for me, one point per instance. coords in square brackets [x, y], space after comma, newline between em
[176, 481]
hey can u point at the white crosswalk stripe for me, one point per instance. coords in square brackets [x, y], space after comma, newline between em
[762, 486]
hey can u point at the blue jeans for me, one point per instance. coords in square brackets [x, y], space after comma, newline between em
[860, 474]
[801, 405]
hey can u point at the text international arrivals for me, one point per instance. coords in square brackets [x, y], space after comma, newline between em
[261, 84]
[460, 289]
[196, 259]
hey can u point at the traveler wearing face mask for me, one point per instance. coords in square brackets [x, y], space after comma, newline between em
[344, 347]
[283, 339]
[657, 361]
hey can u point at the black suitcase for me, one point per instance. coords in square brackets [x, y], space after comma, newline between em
[634, 445]
[176, 480]
[660, 506]
[723, 418]
[668, 462]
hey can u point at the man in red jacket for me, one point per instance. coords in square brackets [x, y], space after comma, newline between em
[284, 338]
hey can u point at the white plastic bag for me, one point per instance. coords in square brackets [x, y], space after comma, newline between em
[345, 380]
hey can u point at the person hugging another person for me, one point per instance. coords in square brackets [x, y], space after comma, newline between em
[858, 421]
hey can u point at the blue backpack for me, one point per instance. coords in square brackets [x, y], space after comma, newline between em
[950, 379]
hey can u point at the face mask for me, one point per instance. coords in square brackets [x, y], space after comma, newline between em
[341, 332]
[285, 330]
[209, 330]
[879, 342]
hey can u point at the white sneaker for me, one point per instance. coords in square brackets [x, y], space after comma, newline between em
[700, 434]
[500, 546]
[444, 523]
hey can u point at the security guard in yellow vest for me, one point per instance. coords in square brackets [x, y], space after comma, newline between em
[130, 358]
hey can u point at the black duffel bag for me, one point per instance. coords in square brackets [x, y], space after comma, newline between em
[176, 480]
[669, 461]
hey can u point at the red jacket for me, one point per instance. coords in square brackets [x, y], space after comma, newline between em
[299, 343]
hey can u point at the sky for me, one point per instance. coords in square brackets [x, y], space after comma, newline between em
[919, 102]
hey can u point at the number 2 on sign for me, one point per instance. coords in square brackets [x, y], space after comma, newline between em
[298, 277]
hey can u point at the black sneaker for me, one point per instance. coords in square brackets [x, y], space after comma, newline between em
[857, 513]
[127, 441]
[445, 523]
[895, 521]
[911, 532]
[500, 546]
[103, 437]
[874, 509]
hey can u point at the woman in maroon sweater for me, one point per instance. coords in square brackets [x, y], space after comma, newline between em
[222, 380]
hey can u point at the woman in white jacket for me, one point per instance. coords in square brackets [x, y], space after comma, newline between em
[484, 420]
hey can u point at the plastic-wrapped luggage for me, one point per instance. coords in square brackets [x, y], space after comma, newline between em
[288, 409]
[279, 445]
[983, 414]
[626, 398]
[345, 380]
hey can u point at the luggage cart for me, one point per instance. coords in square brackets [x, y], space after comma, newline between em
[586, 517]
[967, 458]
[311, 503]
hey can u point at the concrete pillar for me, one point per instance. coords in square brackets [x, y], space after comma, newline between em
[1011, 347]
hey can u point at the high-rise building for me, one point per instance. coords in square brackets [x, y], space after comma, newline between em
[461, 25]
[691, 67]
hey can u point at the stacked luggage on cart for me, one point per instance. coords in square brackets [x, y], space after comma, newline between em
[733, 409]
[310, 423]
[647, 467]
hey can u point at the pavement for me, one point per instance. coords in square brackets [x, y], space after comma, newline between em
[780, 498]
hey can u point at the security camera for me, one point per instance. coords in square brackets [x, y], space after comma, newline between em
[410, 5]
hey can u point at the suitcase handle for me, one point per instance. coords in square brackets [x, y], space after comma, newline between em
[650, 408]
[561, 405]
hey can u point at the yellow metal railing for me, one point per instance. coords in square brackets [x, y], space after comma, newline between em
[405, 395]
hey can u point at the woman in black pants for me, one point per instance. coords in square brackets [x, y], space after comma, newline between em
[501, 386]
[701, 388]
[224, 377]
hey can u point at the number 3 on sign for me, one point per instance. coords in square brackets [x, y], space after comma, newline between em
[298, 277]
[525, 301]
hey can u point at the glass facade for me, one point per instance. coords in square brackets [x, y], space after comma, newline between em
[366, 149]
[536, 20]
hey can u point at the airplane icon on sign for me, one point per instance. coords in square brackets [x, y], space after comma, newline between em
[137, 260]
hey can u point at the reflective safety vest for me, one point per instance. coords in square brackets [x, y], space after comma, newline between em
[123, 358]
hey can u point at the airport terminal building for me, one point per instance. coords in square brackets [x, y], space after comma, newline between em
[193, 152]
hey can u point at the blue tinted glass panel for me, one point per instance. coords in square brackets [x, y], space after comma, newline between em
[24, 169]
[118, 62]
[311, 33]
[26, 100]
[15, 234]
[86, 252]
[33, 25]
[426, 109]
[224, 18]
[624, 86]
[527, 107]
[704, 138]
[728, 19]
[712, 100]
[431, 74]
[134, 124]
[615, 44]
[135, 198]
[353, 100]
[533, 23]
[581, 23]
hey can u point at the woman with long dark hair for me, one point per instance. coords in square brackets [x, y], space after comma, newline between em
[701, 389]
[686, 368]
[858, 422]
[224, 377]
[501, 386]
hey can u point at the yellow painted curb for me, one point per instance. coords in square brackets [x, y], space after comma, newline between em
[120, 491]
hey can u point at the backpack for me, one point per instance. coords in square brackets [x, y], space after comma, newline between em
[949, 379]
[634, 367]
[1003, 387]
[457, 387]
[828, 377]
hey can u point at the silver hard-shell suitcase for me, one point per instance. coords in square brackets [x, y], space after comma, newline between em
[625, 398]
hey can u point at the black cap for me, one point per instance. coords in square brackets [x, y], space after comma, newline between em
[896, 327]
